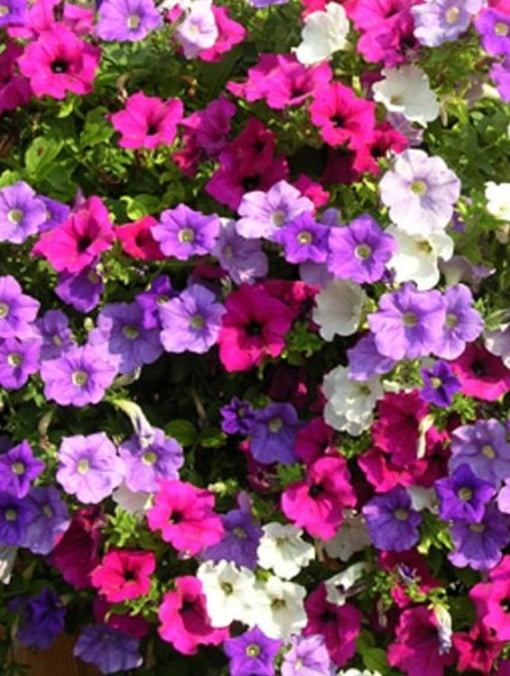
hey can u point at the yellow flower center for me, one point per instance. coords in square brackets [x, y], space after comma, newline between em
[253, 650]
[410, 319]
[197, 322]
[304, 237]
[363, 251]
[186, 235]
[133, 21]
[488, 451]
[501, 29]
[14, 359]
[18, 468]
[149, 458]
[452, 15]
[275, 425]
[83, 466]
[79, 378]
[15, 215]
[465, 493]
[4, 310]
[419, 188]
[130, 332]
[401, 514]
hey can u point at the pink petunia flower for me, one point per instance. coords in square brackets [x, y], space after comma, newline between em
[124, 574]
[482, 375]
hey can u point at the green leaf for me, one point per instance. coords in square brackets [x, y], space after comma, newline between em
[141, 205]
[41, 155]
[182, 430]
[97, 128]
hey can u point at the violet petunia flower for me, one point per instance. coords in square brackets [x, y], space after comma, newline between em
[13, 13]
[15, 516]
[303, 240]
[494, 29]
[240, 541]
[365, 361]
[127, 20]
[479, 545]
[159, 292]
[56, 335]
[192, 321]
[439, 384]
[19, 359]
[392, 522]
[273, 434]
[82, 290]
[500, 74]
[443, 21]
[42, 619]
[408, 322]
[463, 324]
[242, 258]
[251, 653]
[308, 656]
[238, 417]
[22, 213]
[17, 310]
[108, 649]
[18, 468]
[79, 377]
[484, 446]
[89, 467]
[56, 213]
[183, 232]
[463, 495]
[50, 519]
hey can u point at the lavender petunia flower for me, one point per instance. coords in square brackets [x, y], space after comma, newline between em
[42, 619]
[79, 377]
[18, 360]
[494, 29]
[308, 656]
[82, 290]
[56, 213]
[198, 30]
[161, 458]
[479, 545]
[192, 321]
[242, 258]
[18, 468]
[440, 21]
[360, 250]
[463, 324]
[262, 213]
[391, 521]
[110, 650]
[365, 362]
[484, 447]
[21, 212]
[420, 192]
[89, 467]
[240, 542]
[183, 232]
[49, 520]
[251, 653]
[127, 20]
[440, 384]
[150, 301]
[273, 433]
[17, 310]
[463, 495]
[56, 335]
[120, 330]
[408, 322]
[303, 240]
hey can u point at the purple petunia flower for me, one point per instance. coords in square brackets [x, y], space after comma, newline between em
[150, 301]
[15, 515]
[273, 434]
[303, 240]
[463, 495]
[13, 12]
[238, 417]
[89, 467]
[308, 656]
[79, 377]
[21, 212]
[120, 330]
[17, 310]
[500, 75]
[50, 518]
[42, 619]
[408, 322]
[240, 542]
[360, 250]
[242, 258]
[56, 335]
[110, 650]
[479, 545]
[440, 384]
[484, 447]
[146, 464]
[127, 20]
[18, 468]
[56, 213]
[192, 321]
[262, 213]
[251, 653]
[494, 29]
[82, 290]
[365, 362]
[443, 20]
[463, 324]
[182, 232]
[18, 360]
[391, 521]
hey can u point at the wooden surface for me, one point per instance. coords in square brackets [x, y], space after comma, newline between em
[57, 661]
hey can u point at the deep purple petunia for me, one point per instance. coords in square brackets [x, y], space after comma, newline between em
[22, 213]
[18, 468]
[440, 384]
[145, 464]
[110, 650]
[159, 292]
[120, 330]
[89, 467]
[15, 515]
[303, 239]
[42, 619]
[238, 417]
[240, 541]
[127, 20]
[79, 377]
[56, 335]
[183, 232]
[82, 290]
[50, 518]
[191, 321]
[463, 495]
[360, 250]
[479, 545]
[17, 310]
[19, 359]
[251, 653]
[273, 434]
[391, 521]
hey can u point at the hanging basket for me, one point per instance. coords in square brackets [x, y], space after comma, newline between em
[56, 661]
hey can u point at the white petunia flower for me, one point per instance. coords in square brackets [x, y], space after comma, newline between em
[357, 672]
[416, 257]
[339, 307]
[282, 613]
[228, 590]
[406, 90]
[7, 558]
[134, 502]
[282, 550]
[339, 586]
[497, 342]
[498, 200]
[350, 403]
[198, 30]
[323, 34]
[352, 537]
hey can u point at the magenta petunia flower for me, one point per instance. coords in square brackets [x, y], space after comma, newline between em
[147, 121]
[57, 62]
[89, 467]
[185, 516]
[124, 574]
[127, 20]
[14, 89]
[482, 375]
